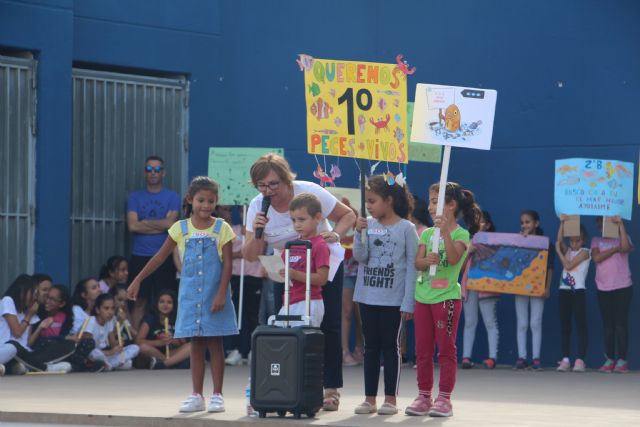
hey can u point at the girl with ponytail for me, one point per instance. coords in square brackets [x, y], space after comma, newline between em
[438, 298]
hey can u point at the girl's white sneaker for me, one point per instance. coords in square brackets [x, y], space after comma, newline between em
[193, 403]
[216, 403]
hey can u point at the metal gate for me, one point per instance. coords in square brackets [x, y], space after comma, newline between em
[17, 167]
[119, 120]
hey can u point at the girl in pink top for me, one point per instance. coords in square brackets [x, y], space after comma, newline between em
[613, 280]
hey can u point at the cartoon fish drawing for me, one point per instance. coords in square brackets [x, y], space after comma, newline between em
[570, 180]
[332, 92]
[314, 89]
[588, 174]
[320, 109]
[327, 131]
[400, 180]
[610, 170]
[389, 92]
[338, 121]
[396, 102]
[566, 169]
[305, 62]
[382, 103]
[397, 118]
[389, 178]
[592, 184]
[399, 135]
[451, 118]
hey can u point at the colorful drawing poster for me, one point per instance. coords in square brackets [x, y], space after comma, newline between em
[418, 151]
[509, 263]
[356, 109]
[455, 116]
[594, 187]
[229, 167]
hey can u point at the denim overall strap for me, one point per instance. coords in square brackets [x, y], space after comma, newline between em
[184, 227]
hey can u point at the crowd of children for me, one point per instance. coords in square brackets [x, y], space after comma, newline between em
[387, 283]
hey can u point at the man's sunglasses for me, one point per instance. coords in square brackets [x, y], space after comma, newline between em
[156, 169]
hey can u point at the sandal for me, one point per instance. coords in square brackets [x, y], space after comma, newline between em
[331, 401]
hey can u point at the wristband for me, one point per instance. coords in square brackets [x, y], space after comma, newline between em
[335, 233]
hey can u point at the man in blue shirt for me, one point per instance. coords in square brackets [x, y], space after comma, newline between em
[150, 213]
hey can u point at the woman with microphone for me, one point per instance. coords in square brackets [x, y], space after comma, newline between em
[270, 223]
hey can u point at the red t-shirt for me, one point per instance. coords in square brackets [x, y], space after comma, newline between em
[298, 262]
[56, 327]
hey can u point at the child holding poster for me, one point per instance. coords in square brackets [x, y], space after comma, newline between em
[385, 286]
[572, 296]
[530, 225]
[438, 298]
[613, 279]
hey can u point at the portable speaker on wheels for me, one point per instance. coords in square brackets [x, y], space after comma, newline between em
[287, 363]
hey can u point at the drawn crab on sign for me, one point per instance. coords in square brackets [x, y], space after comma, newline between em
[404, 65]
[381, 124]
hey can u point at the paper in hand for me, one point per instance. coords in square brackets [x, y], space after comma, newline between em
[273, 264]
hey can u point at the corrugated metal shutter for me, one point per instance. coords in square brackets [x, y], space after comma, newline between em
[17, 167]
[119, 120]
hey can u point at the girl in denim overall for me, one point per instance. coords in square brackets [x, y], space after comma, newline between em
[205, 310]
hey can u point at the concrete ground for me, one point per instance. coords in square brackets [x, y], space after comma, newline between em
[500, 397]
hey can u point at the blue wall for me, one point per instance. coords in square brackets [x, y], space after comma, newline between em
[566, 74]
[567, 80]
[161, 37]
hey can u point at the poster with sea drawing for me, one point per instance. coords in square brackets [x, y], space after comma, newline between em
[454, 116]
[509, 263]
[595, 187]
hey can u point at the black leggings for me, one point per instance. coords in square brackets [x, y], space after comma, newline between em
[381, 330]
[614, 308]
[573, 304]
[251, 306]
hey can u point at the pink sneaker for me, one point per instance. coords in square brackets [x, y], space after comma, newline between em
[579, 366]
[607, 366]
[420, 406]
[564, 365]
[441, 408]
[622, 367]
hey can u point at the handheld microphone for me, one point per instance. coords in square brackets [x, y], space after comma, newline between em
[266, 202]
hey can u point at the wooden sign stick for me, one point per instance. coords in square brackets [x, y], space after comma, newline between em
[440, 208]
[240, 297]
[119, 335]
[82, 329]
[167, 351]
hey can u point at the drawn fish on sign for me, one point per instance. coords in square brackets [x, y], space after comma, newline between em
[314, 89]
[566, 169]
[570, 180]
[320, 109]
